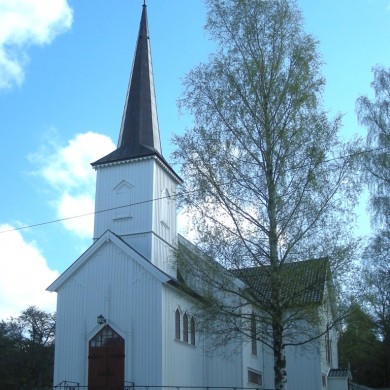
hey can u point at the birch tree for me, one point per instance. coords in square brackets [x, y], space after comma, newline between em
[267, 180]
[374, 114]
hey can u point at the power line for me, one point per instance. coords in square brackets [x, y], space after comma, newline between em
[81, 215]
[164, 197]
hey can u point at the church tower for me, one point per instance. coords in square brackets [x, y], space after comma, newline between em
[135, 186]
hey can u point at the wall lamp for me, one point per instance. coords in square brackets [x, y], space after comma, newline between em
[100, 319]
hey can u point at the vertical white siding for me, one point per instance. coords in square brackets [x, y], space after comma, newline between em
[145, 225]
[304, 367]
[182, 362]
[129, 297]
[187, 365]
[139, 175]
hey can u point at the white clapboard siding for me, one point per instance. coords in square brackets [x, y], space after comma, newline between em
[183, 363]
[188, 365]
[127, 291]
[139, 196]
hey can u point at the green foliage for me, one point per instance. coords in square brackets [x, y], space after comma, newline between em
[374, 114]
[27, 350]
[361, 349]
[262, 154]
[376, 296]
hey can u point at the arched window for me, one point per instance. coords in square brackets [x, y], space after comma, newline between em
[107, 336]
[185, 328]
[253, 334]
[177, 324]
[192, 331]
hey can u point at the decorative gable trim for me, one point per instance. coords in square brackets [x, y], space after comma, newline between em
[108, 236]
[123, 183]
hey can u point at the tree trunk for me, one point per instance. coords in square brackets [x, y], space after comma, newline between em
[279, 360]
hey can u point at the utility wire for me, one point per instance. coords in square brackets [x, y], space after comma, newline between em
[85, 215]
[164, 197]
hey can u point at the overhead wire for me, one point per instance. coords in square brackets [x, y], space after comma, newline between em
[160, 198]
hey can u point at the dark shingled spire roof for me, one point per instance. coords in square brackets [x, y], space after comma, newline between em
[139, 135]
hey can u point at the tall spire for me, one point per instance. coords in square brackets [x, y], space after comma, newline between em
[139, 135]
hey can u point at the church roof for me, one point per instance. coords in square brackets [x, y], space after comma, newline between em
[303, 281]
[139, 134]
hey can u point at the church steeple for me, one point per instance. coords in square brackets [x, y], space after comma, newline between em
[135, 186]
[139, 135]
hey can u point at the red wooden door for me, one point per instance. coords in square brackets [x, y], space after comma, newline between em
[106, 364]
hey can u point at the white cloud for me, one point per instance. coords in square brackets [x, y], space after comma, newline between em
[24, 275]
[70, 166]
[77, 205]
[68, 171]
[24, 23]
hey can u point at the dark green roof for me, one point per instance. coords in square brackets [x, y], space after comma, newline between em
[303, 282]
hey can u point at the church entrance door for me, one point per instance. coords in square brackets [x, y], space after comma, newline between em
[106, 361]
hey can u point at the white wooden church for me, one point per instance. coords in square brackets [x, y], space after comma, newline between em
[122, 318]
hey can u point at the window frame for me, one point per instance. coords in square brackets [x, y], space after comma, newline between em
[257, 374]
[193, 329]
[253, 335]
[177, 324]
[185, 328]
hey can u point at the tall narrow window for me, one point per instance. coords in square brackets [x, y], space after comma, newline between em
[185, 328]
[192, 331]
[177, 324]
[328, 348]
[164, 202]
[253, 334]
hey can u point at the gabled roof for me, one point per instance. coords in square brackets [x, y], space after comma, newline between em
[339, 373]
[303, 281]
[107, 237]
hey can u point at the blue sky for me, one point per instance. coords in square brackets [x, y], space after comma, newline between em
[64, 69]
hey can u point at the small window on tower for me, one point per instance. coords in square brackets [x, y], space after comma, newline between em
[165, 202]
[123, 200]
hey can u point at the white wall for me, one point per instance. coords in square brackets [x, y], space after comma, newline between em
[129, 297]
[188, 365]
[149, 224]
